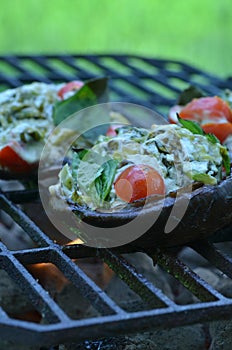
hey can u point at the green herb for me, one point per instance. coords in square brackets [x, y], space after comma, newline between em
[226, 159]
[190, 125]
[91, 136]
[105, 179]
[212, 138]
[92, 92]
[219, 174]
[78, 155]
[204, 178]
[189, 94]
[133, 133]
[31, 134]
[195, 128]
[66, 178]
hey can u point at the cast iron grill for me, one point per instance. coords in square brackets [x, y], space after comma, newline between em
[152, 83]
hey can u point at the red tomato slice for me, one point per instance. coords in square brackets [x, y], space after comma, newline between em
[13, 162]
[137, 182]
[221, 130]
[111, 131]
[207, 108]
[72, 85]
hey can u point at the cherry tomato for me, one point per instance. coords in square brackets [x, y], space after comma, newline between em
[137, 182]
[207, 108]
[220, 130]
[72, 85]
[13, 162]
[111, 131]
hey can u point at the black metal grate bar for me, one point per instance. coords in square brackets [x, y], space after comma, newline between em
[138, 283]
[150, 82]
[105, 326]
[3, 314]
[22, 220]
[33, 256]
[215, 257]
[56, 75]
[22, 196]
[15, 63]
[86, 286]
[170, 263]
[38, 296]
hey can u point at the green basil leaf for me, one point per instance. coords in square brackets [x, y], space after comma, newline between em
[190, 125]
[212, 138]
[77, 156]
[205, 178]
[189, 94]
[91, 136]
[195, 128]
[226, 159]
[92, 92]
[105, 179]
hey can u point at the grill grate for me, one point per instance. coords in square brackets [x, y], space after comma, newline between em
[146, 81]
[149, 82]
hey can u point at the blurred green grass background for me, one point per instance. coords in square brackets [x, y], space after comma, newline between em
[195, 31]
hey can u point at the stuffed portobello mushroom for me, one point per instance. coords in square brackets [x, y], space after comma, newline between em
[30, 112]
[25, 121]
[108, 184]
[138, 163]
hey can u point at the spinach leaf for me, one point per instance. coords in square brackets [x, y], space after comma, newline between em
[189, 94]
[105, 178]
[92, 92]
[192, 126]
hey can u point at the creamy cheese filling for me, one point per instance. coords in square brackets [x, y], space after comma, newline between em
[26, 118]
[179, 156]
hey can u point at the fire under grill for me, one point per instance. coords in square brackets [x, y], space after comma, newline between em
[155, 84]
